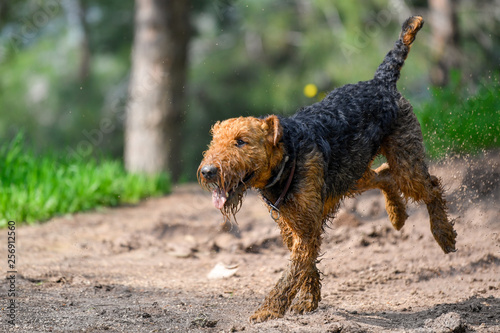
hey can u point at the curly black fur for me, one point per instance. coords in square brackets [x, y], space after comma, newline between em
[347, 127]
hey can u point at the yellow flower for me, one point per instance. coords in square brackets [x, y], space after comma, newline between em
[310, 90]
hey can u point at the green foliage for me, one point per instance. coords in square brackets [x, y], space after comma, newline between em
[246, 58]
[41, 89]
[34, 188]
[456, 121]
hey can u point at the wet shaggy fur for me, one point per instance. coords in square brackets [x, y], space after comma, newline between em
[304, 165]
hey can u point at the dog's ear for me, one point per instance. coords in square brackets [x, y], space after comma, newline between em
[272, 126]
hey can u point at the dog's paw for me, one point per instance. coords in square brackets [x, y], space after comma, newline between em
[262, 315]
[303, 306]
[446, 236]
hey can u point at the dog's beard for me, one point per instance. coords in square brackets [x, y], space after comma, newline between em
[229, 203]
[228, 196]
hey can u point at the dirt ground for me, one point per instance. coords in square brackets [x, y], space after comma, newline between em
[149, 268]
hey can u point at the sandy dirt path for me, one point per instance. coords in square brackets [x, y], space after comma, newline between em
[146, 268]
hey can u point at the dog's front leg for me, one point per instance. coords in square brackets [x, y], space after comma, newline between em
[281, 296]
[310, 291]
[300, 274]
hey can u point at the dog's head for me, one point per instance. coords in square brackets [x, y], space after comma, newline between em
[242, 154]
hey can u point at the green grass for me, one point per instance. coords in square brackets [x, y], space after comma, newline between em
[456, 122]
[37, 187]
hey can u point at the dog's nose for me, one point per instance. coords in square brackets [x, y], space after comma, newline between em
[209, 171]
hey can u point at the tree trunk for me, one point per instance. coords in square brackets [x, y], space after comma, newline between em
[84, 67]
[156, 91]
[445, 38]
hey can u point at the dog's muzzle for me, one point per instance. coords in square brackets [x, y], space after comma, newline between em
[209, 172]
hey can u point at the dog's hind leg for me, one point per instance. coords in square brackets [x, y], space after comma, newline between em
[382, 179]
[405, 154]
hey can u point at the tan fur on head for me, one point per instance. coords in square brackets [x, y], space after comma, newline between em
[245, 150]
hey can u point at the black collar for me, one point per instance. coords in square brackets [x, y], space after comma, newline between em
[275, 206]
[278, 176]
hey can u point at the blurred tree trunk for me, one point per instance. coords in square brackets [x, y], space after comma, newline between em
[156, 91]
[3, 12]
[445, 37]
[76, 14]
[84, 67]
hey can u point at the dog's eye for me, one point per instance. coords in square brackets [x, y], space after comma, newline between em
[240, 143]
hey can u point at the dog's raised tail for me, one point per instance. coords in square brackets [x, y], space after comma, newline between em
[389, 70]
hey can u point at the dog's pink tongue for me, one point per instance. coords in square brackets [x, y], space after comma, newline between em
[219, 198]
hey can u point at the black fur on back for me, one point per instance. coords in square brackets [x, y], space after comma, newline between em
[347, 127]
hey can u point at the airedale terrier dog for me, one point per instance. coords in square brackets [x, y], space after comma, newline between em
[304, 165]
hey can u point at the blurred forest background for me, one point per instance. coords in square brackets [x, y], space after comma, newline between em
[71, 83]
